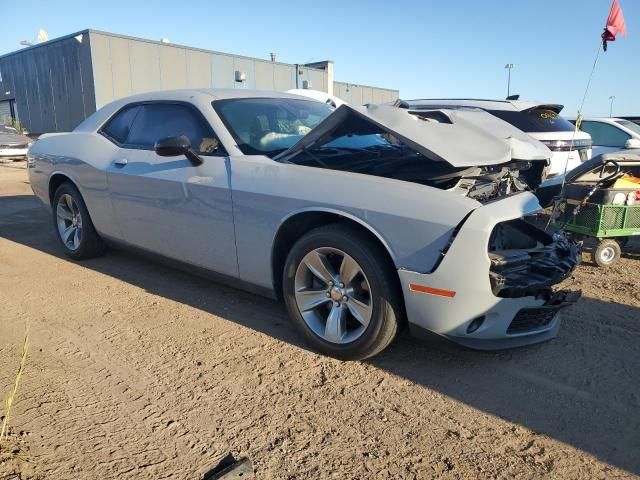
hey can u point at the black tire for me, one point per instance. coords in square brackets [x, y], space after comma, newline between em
[384, 290]
[90, 244]
[607, 252]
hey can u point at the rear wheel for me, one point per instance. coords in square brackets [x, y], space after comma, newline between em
[607, 252]
[73, 225]
[340, 292]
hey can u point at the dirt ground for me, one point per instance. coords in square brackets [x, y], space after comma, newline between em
[136, 370]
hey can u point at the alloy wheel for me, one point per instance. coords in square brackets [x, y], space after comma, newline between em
[69, 221]
[333, 295]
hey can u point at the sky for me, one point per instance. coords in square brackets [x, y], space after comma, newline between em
[426, 49]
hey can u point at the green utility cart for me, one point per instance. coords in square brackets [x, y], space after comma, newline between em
[612, 225]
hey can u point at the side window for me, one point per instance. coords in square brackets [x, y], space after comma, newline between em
[605, 135]
[161, 120]
[117, 129]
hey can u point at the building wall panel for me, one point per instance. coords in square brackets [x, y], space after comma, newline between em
[264, 76]
[59, 90]
[222, 71]
[198, 69]
[51, 89]
[173, 67]
[33, 96]
[102, 69]
[21, 88]
[120, 64]
[86, 75]
[9, 73]
[362, 94]
[284, 77]
[145, 67]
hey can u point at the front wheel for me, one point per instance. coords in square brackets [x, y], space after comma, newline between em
[340, 292]
[73, 225]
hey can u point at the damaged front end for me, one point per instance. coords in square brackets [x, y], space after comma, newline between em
[470, 153]
[504, 272]
[527, 262]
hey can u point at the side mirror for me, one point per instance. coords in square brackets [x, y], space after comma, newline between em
[632, 143]
[175, 146]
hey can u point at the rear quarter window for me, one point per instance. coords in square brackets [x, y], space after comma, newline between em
[118, 127]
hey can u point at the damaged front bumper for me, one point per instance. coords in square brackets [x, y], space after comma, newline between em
[532, 271]
[492, 300]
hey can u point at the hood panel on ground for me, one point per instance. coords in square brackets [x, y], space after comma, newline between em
[461, 143]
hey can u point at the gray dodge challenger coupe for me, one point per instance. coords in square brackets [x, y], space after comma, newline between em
[360, 218]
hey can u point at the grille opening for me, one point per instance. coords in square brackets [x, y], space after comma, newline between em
[529, 319]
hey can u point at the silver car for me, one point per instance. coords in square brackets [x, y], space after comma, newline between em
[13, 144]
[361, 219]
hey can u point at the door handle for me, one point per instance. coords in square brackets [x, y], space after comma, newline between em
[120, 162]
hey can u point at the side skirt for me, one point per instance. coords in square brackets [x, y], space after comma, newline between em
[192, 269]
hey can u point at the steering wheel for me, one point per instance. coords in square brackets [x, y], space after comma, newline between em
[613, 175]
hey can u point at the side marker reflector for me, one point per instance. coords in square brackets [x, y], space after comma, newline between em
[431, 291]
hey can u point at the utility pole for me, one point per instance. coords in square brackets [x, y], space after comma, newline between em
[612, 98]
[509, 66]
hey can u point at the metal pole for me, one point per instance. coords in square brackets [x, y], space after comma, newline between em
[509, 66]
[612, 98]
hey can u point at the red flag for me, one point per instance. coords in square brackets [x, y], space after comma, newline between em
[615, 24]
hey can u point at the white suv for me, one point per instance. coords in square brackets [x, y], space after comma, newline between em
[611, 134]
[540, 120]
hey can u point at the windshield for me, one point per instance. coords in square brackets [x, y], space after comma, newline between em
[269, 126]
[535, 120]
[634, 127]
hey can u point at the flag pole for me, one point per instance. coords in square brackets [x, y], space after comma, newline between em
[614, 25]
[579, 116]
[577, 127]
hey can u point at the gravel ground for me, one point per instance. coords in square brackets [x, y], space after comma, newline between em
[136, 370]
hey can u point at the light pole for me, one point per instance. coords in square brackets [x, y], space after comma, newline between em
[509, 66]
[612, 98]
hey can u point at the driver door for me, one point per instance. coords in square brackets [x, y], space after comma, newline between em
[167, 205]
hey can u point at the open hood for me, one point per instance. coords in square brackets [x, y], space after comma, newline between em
[460, 138]
[523, 146]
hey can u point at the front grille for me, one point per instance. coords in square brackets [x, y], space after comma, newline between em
[529, 319]
[15, 147]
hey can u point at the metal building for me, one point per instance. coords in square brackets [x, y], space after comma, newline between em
[53, 86]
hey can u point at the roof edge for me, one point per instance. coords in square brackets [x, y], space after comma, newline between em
[44, 44]
[198, 49]
[368, 86]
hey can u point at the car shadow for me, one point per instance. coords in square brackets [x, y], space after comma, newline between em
[582, 388]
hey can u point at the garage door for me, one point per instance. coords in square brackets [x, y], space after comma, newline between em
[5, 112]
